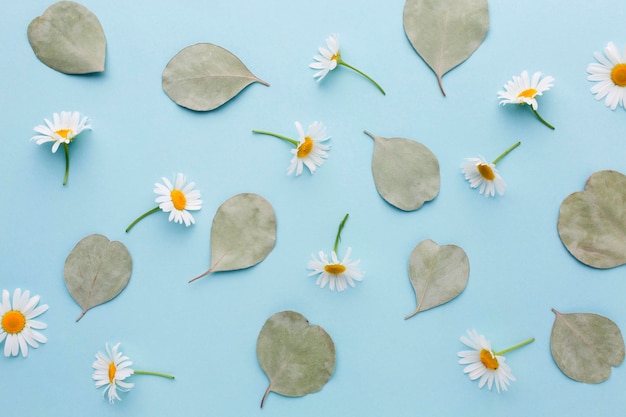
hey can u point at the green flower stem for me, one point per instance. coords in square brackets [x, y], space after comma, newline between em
[519, 345]
[345, 64]
[154, 374]
[541, 118]
[505, 153]
[341, 225]
[285, 138]
[146, 214]
[67, 162]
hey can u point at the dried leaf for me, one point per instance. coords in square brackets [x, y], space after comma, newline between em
[406, 173]
[445, 32]
[592, 223]
[297, 358]
[68, 38]
[204, 76]
[438, 274]
[585, 346]
[243, 233]
[96, 271]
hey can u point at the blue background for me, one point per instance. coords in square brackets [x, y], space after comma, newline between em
[205, 333]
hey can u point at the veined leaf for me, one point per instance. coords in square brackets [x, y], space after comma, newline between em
[297, 358]
[96, 271]
[445, 32]
[585, 346]
[592, 223]
[406, 173]
[68, 38]
[204, 76]
[438, 274]
[243, 233]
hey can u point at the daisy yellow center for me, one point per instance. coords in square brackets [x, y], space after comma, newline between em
[178, 199]
[618, 75]
[486, 172]
[64, 133]
[13, 322]
[112, 371]
[528, 93]
[489, 360]
[305, 148]
[335, 269]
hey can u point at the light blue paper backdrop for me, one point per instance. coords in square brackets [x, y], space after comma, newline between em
[205, 333]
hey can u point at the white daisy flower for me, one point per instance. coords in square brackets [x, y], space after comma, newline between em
[310, 151]
[17, 324]
[333, 273]
[483, 174]
[63, 129]
[610, 75]
[328, 59]
[483, 363]
[523, 90]
[111, 370]
[177, 199]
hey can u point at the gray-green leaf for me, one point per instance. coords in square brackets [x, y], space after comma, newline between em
[445, 32]
[297, 358]
[438, 274]
[406, 173]
[68, 38]
[204, 76]
[96, 271]
[592, 223]
[585, 346]
[243, 233]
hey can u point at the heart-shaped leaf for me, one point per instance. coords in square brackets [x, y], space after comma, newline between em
[68, 38]
[243, 233]
[592, 223]
[297, 358]
[445, 32]
[438, 274]
[585, 346]
[204, 76]
[406, 173]
[97, 270]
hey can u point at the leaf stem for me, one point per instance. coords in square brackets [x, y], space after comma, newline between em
[345, 64]
[341, 225]
[146, 214]
[276, 135]
[519, 345]
[67, 162]
[154, 374]
[541, 119]
[267, 391]
[505, 153]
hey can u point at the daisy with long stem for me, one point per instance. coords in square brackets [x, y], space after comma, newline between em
[524, 90]
[483, 174]
[176, 199]
[330, 58]
[309, 150]
[112, 368]
[482, 362]
[63, 129]
[332, 272]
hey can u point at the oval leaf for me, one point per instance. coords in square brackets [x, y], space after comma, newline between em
[68, 38]
[204, 76]
[297, 358]
[243, 233]
[445, 32]
[406, 173]
[438, 274]
[585, 346]
[97, 270]
[592, 223]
